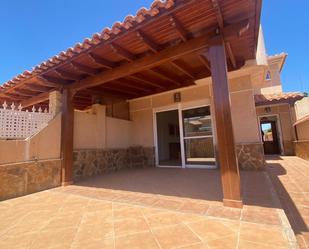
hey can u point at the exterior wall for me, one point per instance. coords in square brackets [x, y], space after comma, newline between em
[89, 128]
[28, 177]
[284, 113]
[243, 115]
[94, 162]
[118, 133]
[44, 145]
[302, 144]
[302, 108]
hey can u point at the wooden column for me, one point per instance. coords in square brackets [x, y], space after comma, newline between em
[225, 137]
[67, 126]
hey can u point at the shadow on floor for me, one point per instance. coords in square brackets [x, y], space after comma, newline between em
[295, 218]
[199, 184]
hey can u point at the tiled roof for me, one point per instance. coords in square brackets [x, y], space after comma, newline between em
[278, 98]
[156, 8]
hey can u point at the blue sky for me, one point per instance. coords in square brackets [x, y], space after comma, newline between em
[33, 31]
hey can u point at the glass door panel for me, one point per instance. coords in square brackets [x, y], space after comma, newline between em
[168, 138]
[198, 136]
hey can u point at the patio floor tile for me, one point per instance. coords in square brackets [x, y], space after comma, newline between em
[175, 236]
[89, 217]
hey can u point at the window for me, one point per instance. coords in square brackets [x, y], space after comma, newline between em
[268, 75]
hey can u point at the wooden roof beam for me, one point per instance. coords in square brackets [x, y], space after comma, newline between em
[58, 81]
[45, 80]
[182, 69]
[129, 84]
[35, 100]
[37, 88]
[205, 61]
[220, 21]
[120, 91]
[101, 61]
[123, 52]
[14, 96]
[165, 75]
[173, 53]
[148, 41]
[85, 69]
[68, 75]
[26, 93]
[179, 28]
[144, 81]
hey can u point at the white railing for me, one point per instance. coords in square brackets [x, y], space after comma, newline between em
[18, 124]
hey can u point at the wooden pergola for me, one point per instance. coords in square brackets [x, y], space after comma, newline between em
[169, 46]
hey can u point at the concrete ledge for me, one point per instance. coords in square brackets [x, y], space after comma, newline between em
[20, 179]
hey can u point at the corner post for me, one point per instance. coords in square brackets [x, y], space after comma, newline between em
[225, 138]
[67, 128]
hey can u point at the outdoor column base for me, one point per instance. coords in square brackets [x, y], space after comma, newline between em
[232, 203]
[63, 184]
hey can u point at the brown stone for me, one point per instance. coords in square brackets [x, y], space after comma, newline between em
[250, 156]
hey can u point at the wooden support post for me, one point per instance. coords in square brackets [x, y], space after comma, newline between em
[67, 126]
[225, 138]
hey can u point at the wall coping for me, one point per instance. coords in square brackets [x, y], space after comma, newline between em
[301, 141]
[28, 162]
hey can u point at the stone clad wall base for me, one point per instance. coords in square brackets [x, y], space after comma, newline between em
[28, 177]
[302, 149]
[250, 156]
[89, 162]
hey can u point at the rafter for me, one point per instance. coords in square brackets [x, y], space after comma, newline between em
[38, 88]
[119, 90]
[183, 69]
[130, 84]
[220, 21]
[123, 52]
[86, 69]
[54, 80]
[193, 45]
[205, 62]
[23, 92]
[45, 80]
[101, 61]
[165, 75]
[148, 41]
[36, 99]
[179, 28]
[68, 75]
[14, 96]
[144, 81]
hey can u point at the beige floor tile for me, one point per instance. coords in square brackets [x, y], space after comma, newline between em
[224, 212]
[175, 236]
[129, 226]
[229, 242]
[262, 216]
[262, 234]
[243, 244]
[143, 240]
[194, 207]
[164, 219]
[167, 204]
[105, 243]
[214, 229]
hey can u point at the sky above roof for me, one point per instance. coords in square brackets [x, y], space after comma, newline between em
[33, 31]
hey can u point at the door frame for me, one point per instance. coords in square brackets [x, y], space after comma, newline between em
[278, 126]
[180, 107]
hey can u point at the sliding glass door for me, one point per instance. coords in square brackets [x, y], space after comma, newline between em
[198, 137]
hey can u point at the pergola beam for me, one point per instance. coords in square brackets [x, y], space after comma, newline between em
[164, 75]
[37, 88]
[179, 28]
[26, 93]
[182, 69]
[205, 61]
[220, 20]
[123, 52]
[166, 55]
[148, 41]
[101, 61]
[85, 69]
[68, 75]
[35, 100]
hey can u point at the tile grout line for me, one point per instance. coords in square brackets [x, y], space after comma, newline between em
[146, 220]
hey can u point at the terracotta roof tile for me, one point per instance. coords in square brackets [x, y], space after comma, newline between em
[118, 27]
[277, 98]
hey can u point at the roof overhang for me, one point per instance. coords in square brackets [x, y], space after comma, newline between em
[278, 98]
[158, 49]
